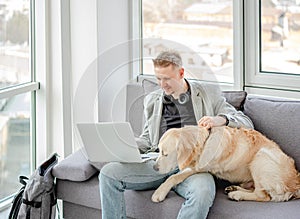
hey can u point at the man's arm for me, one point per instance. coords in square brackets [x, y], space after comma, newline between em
[213, 121]
[218, 110]
[143, 141]
[235, 118]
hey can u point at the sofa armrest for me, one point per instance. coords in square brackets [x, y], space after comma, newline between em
[74, 167]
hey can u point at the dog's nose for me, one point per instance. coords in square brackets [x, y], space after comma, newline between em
[155, 167]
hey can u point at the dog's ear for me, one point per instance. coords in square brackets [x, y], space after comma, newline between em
[185, 155]
[186, 149]
[185, 158]
[191, 144]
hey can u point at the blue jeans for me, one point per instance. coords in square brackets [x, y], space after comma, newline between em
[114, 178]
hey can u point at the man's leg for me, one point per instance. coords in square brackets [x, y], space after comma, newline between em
[199, 193]
[115, 178]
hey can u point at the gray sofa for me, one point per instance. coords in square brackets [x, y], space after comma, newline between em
[278, 119]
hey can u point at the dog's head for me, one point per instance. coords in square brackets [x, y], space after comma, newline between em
[180, 147]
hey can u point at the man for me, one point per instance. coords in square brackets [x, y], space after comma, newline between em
[179, 102]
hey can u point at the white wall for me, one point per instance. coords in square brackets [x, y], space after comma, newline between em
[113, 58]
[83, 68]
[100, 60]
[83, 37]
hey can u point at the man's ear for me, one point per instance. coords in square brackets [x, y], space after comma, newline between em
[185, 155]
[181, 72]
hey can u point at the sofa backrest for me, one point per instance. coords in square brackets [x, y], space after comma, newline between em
[134, 107]
[279, 120]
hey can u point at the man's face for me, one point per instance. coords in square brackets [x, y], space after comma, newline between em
[169, 78]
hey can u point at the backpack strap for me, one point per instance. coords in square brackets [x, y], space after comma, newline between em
[32, 203]
[16, 204]
[23, 180]
[53, 198]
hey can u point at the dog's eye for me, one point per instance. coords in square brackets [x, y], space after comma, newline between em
[164, 155]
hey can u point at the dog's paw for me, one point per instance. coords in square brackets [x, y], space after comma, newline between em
[229, 189]
[235, 195]
[159, 195]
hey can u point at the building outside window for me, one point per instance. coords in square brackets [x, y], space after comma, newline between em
[202, 31]
[17, 88]
[280, 36]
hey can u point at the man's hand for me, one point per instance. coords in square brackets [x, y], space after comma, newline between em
[211, 121]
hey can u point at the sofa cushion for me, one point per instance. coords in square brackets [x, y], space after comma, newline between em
[134, 107]
[278, 119]
[235, 98]
[227, 209]
[139, 204]
[82, 193]
[149, 86]
[74, 167]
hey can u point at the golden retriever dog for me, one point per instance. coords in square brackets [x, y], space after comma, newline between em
[240, 156]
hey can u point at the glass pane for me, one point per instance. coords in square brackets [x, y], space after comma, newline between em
[14, 43]
[280, 36]
[201, 30]
[14, 142]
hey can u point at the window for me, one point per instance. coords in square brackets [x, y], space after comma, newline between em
[272, 47]
[280, 36]
[252, 44]
[202, 31]
[17, 89]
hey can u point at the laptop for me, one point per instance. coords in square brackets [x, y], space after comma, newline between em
[111, 141]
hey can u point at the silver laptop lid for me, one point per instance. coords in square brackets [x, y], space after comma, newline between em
[109, 141]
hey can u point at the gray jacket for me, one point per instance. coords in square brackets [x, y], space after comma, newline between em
[206, 100]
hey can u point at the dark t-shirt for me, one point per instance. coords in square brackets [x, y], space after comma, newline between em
[176, 115]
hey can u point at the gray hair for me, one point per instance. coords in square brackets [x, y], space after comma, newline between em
[168, 57]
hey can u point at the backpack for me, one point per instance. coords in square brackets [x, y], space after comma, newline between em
[37, 197]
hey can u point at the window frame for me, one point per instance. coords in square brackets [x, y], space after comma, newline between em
[255, 79]
[136, 30]
[32, 86]
[247, 74]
